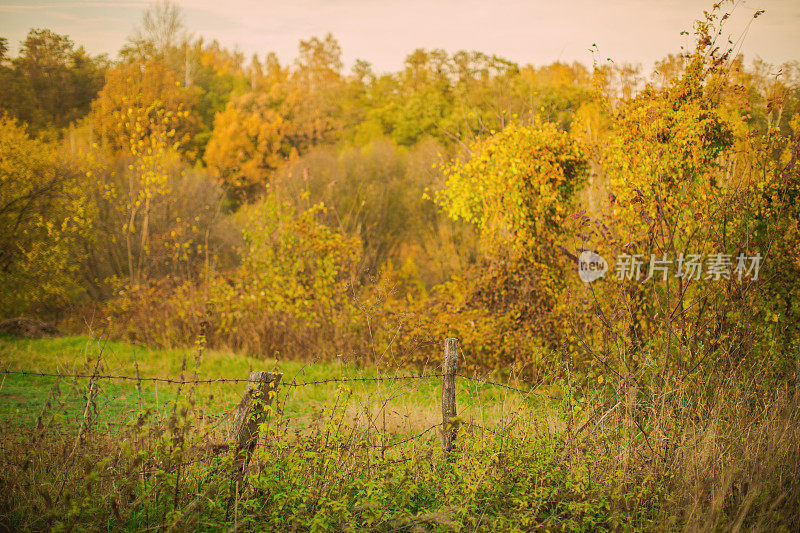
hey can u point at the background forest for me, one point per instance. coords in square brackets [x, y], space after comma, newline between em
[301, 211]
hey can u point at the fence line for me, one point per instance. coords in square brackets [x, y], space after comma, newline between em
[260, 394]
[126, 378]
[293, 383]
[449, 373]
[175, 381]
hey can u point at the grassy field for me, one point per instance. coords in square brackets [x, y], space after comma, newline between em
[411, 403]
[354, 454]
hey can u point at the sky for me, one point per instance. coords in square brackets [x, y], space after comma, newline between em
[384, 32]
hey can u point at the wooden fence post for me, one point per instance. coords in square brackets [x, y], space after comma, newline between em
[449, 369]
[260, 392]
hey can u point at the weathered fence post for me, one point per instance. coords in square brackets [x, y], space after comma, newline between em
[449, 369]
[261, 389]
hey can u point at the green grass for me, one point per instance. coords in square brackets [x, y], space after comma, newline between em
[22, 399]
[412, 404]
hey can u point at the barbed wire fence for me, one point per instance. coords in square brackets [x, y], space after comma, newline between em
[214, 417]
[208, 428]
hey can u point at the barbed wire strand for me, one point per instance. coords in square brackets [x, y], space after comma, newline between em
[292, 383]
[214, 380]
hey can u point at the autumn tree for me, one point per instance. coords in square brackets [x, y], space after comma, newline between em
[43, 216]
[288, 112]
[375, 193]
[158, 36]
[142, 114]
[250, 140]
[158, 220]
[516, 188]
[313, 93]
[16, 93]
[692, 223]
[134, 98]
[63, 80]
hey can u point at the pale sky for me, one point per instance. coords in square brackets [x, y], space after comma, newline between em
[383, 32]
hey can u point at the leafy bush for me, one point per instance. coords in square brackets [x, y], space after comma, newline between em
[290, 289]
[44, 217]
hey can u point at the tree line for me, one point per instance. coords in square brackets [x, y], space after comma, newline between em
[184, 183]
